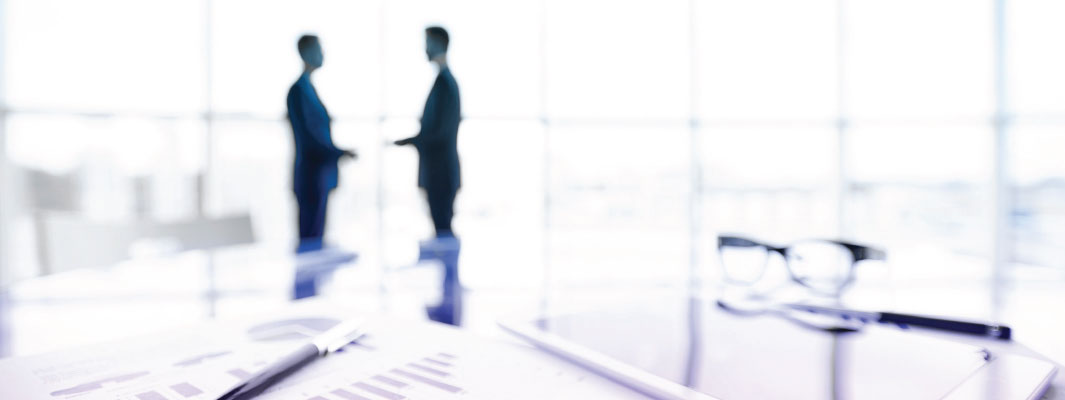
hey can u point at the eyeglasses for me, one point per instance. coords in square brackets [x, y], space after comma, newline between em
[824, 266]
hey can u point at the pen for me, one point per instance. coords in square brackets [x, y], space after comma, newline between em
[328, 342]
[905, 321]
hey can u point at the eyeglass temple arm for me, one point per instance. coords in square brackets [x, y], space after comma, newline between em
[865, 252]
[737, 241]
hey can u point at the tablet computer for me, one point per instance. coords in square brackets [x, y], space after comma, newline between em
[689, 348]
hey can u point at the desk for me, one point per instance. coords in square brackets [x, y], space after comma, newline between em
[147, 296]
[1033, 309]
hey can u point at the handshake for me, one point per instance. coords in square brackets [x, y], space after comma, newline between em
[354, 156]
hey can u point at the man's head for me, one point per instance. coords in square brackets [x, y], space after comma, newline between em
[436, 41]
[310, 50]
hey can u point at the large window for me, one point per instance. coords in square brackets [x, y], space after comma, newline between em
[600, 141]
[767, 60]
[107, 56]
[1036, 126]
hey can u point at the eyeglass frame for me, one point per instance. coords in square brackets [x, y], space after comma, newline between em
[858, 253]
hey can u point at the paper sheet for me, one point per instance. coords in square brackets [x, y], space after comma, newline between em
[396, 360]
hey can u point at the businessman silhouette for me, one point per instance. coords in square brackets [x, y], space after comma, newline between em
[438, 158]
[314, 172]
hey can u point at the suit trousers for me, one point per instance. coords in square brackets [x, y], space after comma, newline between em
[312, 211]
[441, 208]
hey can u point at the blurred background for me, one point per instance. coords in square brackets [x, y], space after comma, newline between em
[604, 143]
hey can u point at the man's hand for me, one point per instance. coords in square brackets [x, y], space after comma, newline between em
[404, 142]
[349, 154]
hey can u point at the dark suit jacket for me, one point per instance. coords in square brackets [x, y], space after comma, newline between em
[438, 157]
[315, 164]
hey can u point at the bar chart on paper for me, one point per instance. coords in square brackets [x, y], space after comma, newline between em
[414, 379]
[432, 376]
[475, 371]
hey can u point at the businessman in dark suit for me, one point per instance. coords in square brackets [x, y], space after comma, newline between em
[438, 158]
[314, 172]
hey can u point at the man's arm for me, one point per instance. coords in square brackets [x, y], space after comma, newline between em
[431, 118]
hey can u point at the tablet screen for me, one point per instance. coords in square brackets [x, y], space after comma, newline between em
[697, 344]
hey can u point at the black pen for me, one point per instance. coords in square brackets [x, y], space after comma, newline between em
[905, 321]
[328, 342]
